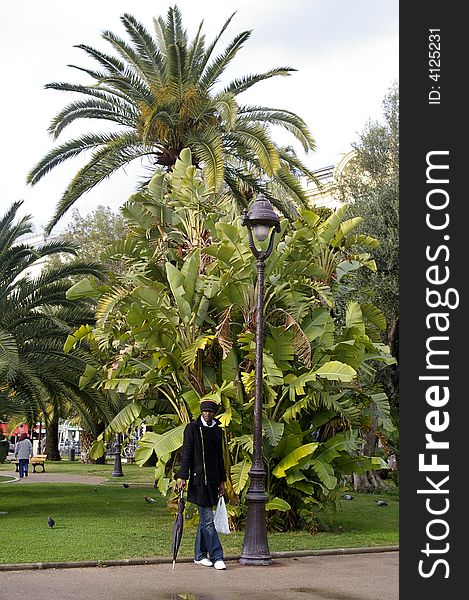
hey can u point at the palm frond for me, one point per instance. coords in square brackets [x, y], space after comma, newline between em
[242, 84]
[140, 62]
[103, 163]
[208, 53]
[110, 63]
[103, 93]
[144, 44]
[284, 118]
[255, 138]
[207, 146]
[213, 71]
[68, 150]
[116, 111]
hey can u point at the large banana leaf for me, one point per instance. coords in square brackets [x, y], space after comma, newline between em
[84, 332]
[85, 288]
[240, 475]
[125, 385]
[373, 314]
[273, 431]
[383, 411]
[120, 423]
[361, 240]
[190, 273]
[354, 317]
[176, 283]
[245, 441]
[334, 446]
[320, 327]
[325, 473]
[295, 409]
[344, 229]
[161, 444]
[277, 504]
[189, 356]
[327, 229]
[150, 295]
[280, 344]
[345, 267]
[87, 376]
[337, 371]
[292, 459]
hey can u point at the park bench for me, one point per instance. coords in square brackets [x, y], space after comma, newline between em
[36, 461]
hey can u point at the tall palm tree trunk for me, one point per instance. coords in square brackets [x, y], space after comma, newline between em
[52, 439]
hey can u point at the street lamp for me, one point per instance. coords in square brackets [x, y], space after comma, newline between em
[260, 221]
[117, 472]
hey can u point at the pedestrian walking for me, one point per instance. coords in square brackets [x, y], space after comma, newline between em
[23, 452]
[202, 466]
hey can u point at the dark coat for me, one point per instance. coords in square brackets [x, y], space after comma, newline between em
[202, 463]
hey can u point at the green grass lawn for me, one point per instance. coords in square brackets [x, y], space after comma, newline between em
[109, 521]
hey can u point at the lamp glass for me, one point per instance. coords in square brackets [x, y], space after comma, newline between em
[261, 232]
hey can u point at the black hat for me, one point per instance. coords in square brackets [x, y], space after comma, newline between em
[208, 405]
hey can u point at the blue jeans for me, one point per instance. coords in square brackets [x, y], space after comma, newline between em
[23, 466]
[206, 538]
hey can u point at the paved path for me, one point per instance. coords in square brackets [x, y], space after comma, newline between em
[52, 478]
[372, 576]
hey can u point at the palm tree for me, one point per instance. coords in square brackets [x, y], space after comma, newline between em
[162, 95]
[36, 376]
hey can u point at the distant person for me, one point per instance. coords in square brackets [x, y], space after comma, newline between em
[23, 452]
[4, 446]
[202, 464]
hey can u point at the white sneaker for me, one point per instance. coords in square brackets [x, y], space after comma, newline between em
[205, 562]
[219, 565]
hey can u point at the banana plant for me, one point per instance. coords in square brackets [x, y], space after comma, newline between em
[178, 325]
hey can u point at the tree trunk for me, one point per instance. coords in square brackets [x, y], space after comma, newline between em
[86, 441]
[52, 439]
[370, 480]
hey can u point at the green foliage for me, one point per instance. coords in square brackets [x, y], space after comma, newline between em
[371, 184]
[180, 326]
[36, 376]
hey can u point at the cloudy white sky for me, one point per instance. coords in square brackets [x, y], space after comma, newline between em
[345, 53]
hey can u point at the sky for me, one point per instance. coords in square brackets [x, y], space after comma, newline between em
[345, 53]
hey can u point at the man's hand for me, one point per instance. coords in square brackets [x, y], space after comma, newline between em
[181, 484]
[221, 488]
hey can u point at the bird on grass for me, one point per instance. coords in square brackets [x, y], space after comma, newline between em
[148, 499]
[347, 497]
[126, 485]
[381, 502]
[50, 522]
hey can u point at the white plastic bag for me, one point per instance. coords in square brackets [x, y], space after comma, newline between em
[220, 518]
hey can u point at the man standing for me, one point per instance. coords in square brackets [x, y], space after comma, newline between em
[23, 452]
[202, 464]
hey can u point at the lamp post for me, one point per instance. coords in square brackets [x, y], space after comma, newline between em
[260, 221]
[117, 472]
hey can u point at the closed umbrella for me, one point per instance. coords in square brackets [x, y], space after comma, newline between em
[178, 527]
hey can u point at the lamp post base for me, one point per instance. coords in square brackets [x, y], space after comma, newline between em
[117, 472]
[255, 547]
[117, 467]
[255, 560]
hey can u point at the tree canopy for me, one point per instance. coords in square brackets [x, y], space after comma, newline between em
[163, 93]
